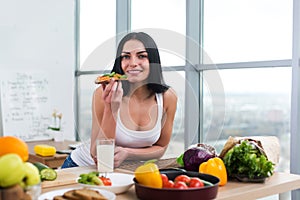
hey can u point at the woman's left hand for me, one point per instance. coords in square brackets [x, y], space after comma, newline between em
[120, 155]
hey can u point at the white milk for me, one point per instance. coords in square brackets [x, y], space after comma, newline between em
[105, 157]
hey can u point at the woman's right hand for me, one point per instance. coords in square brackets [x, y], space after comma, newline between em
[112, 94]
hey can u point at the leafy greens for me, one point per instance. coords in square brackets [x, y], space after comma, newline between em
[246, 159]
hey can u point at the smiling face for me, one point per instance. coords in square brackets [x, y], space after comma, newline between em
[134, 61]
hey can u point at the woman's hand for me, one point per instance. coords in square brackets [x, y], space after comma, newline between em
[120, 155]
[112, 94]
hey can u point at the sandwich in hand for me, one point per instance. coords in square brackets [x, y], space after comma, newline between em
[105, 78]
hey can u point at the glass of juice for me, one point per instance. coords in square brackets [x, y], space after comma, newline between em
[105, 155]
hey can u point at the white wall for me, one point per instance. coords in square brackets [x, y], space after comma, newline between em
[38, 38]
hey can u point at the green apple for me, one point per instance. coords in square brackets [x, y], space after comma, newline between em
[12, 170]
[32, 175]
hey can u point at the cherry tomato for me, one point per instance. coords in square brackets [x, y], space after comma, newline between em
[180, 185]
[169, 184]
[164, 178]
[195, 182]
[184, 178]
[106, 181]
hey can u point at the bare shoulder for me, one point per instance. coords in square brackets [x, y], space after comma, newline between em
[98, 93]
[170, 97]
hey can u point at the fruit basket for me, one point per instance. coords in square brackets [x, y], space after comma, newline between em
[204, 193]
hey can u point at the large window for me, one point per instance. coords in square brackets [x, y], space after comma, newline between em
[257, 101]
[238, 37]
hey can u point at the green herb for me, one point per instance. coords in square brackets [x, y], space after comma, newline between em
[246, 159]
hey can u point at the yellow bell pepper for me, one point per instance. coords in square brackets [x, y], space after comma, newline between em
[215, 166]
[148, 175]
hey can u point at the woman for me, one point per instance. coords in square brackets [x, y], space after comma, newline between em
[139, 112]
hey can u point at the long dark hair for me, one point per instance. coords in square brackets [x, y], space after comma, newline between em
[155, 81]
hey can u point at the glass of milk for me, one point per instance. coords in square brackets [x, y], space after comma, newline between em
[105, 155]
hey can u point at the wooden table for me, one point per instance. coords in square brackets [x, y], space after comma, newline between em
[51, 161]
[233, 190]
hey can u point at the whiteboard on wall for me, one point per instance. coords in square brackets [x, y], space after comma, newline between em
[25, 101]
[37, 64]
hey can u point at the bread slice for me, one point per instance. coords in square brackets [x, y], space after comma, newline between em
[71, 195]
[89, 194]
[59, 198]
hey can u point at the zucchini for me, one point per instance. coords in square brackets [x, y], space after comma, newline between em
[40, 166]
[46, 173]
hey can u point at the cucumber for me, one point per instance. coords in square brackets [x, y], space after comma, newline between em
[40, 166]
[48, 174]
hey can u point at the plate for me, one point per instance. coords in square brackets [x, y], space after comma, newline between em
[50, 195]
[120, 183]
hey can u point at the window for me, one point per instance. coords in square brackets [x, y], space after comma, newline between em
[97, 28]
[250, 30]
[167, 14]
[257, 102]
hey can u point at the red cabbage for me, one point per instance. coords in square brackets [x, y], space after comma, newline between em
[195, 155]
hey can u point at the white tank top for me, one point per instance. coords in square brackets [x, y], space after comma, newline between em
[135, 139]
[124, 137]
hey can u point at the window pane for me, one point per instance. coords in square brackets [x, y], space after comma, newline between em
[169, 15]
[86, 87]
[249, 30]
[176, 79]
[257, 102]
[97, 26]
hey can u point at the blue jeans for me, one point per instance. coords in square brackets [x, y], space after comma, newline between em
[69, 163]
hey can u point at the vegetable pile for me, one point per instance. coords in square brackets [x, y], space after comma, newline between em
[247, 159]
[183, 182]
[194, 156]
[149, 175]
[94, 178]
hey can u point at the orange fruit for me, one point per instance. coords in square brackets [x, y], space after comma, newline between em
[12, 144]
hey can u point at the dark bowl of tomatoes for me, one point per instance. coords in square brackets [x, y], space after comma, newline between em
[183, 185]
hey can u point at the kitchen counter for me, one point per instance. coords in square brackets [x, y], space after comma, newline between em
[233, 190]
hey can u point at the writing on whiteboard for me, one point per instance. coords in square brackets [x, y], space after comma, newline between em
[25, 105]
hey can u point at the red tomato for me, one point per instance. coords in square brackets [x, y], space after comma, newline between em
[195, 182]
[184, 178]
[180, 185]
[169, 184]
[106, 181]
[164, 178]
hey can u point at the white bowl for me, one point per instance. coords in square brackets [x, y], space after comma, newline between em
[120, 183]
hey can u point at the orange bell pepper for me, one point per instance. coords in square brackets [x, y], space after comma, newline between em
[215, 166]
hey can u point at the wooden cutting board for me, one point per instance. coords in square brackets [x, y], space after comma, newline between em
[63, 178]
